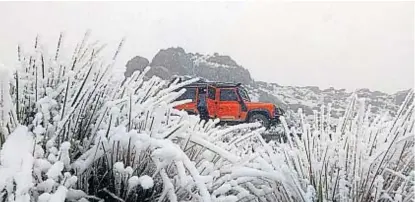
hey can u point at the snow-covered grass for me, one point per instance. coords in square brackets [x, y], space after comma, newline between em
[74, 128]
[361, 160]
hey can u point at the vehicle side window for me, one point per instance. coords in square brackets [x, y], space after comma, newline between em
[189, 94]
[244, 94]
[212, 93]
[228, 95]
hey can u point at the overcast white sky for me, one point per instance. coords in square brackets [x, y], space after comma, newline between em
[344, 45]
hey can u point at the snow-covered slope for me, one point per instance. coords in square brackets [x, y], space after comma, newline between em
[311, 98]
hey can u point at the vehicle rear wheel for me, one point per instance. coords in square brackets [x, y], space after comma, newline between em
[261, 119]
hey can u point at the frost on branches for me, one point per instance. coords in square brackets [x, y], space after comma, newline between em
[74, 129]
[366, 158]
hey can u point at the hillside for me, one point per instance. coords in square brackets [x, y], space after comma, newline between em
[176, 61]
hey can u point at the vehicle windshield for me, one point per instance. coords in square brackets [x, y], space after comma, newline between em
[244, 94]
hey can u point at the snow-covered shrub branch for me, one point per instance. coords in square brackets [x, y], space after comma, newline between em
[87, 133]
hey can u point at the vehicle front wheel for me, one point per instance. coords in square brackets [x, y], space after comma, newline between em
[261, 119]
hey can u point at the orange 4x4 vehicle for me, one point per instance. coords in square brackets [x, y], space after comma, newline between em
[230, 103]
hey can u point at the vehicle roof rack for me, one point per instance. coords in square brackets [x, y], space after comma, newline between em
[214, 83]
[202, 82]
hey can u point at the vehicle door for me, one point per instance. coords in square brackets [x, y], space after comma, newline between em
[211, 101]
[228, 107]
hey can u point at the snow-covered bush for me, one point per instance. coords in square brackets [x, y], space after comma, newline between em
[86, 133]
[362, 159]
[73, 128]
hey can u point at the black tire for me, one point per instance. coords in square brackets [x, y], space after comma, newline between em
[260, 118]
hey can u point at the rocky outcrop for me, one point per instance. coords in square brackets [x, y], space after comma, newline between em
[137, 63]
[175, 61]
[171, 61]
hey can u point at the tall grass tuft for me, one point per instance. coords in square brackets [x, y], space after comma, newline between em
[92, 135]
[86, 133]
[366, 158]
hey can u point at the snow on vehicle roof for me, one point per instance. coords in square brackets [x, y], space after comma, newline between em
[216, 84]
